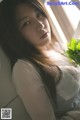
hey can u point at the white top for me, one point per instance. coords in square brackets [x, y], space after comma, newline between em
[31, 90]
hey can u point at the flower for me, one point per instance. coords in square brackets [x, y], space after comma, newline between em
[73, 50]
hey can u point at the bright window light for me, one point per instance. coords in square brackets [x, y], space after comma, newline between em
[57, 29]
[73, 14]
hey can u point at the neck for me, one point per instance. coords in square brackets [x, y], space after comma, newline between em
[56, 47]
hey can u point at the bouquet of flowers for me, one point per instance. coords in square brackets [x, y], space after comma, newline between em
[73, 50]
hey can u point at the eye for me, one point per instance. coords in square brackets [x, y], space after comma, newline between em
[39, 15]
[25, 23]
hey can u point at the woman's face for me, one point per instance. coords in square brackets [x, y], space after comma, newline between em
[33, 25]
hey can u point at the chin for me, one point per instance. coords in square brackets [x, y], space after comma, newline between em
[45, 43]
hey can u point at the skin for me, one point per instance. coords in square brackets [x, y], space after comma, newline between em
[33, 25]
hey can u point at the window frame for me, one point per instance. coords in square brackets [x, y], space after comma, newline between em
[64, 22]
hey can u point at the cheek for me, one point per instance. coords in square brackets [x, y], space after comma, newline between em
[29, 35]
[48, 26]
[26, 33]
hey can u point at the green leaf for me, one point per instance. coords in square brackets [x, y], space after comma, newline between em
[72, 44]
[73, 50]
[78, 46]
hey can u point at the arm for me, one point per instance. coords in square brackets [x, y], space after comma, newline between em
[31, 90]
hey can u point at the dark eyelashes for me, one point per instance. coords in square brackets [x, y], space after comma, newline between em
[25, 24]
[39, 13]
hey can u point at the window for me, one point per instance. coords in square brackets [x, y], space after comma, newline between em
[73, 14]
[65, 18]
[56, 27]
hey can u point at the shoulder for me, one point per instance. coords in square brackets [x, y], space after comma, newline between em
[24, 66]
[25, 69]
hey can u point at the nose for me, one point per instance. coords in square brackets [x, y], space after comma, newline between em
[40, 25]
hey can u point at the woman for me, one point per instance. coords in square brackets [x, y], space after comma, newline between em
[44, 79]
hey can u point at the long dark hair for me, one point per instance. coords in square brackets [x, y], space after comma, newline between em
[16, 47]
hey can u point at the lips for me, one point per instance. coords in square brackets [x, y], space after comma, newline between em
[44, 35]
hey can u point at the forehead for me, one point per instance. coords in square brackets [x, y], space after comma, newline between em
[25, 9]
